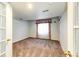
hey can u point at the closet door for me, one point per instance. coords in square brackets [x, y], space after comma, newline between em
[76, 29]
[5, 30]
[2, 29]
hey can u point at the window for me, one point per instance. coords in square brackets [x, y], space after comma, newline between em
[43, 29]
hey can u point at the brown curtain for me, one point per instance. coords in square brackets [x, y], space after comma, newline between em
[49, 20]
[44, 21]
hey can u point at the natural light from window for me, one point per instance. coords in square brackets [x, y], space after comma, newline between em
[43, 29]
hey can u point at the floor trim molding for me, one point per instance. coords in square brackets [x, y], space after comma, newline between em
[35, 38]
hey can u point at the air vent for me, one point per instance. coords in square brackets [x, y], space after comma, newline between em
[45, 11]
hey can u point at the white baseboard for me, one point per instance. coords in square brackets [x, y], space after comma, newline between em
[18, 40]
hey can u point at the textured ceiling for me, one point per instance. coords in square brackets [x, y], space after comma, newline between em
[21, 10]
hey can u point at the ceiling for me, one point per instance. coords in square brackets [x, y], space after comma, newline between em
[53, 9]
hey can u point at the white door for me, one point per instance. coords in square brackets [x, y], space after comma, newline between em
[5, 30]
[76, 29]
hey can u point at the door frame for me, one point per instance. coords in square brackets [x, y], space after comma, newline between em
[8, 30]
[70, 27]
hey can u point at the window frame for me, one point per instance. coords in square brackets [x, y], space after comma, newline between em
[44, 21]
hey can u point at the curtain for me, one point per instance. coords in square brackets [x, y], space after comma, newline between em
[43, 28]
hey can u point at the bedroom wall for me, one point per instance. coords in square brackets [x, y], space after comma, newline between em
[63, 31]
[23, 29]
[54, 29]
[20, 30]
[32, 28]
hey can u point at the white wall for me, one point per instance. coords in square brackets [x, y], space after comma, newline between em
[23, 29]
[63, 31]
[32, 28]
[54, 29]
[20, 29]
